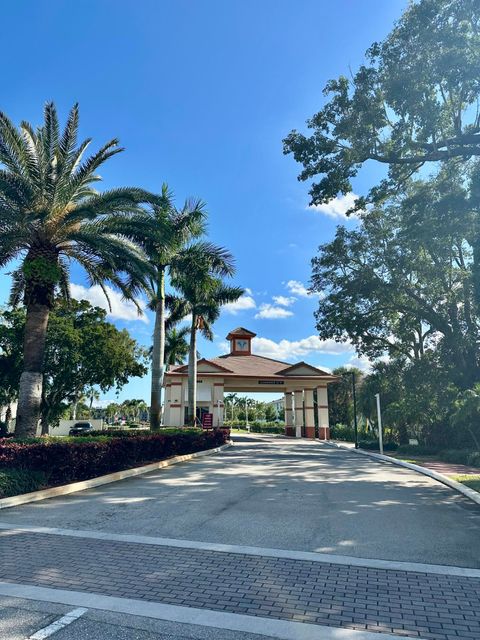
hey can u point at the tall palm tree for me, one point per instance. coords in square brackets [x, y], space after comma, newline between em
[231, 400]
[176, 345]
[164, 232]
[92, 394]
[51, 215]
[202, 294]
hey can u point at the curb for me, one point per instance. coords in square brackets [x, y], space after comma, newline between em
[453, 484]
[74, 487]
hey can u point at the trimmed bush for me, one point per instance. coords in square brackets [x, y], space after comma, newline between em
[417, 450]
[342, 432]
[84, 458]
[372, 445]
[16, 481]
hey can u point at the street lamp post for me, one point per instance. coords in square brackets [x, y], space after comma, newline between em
[355, 423]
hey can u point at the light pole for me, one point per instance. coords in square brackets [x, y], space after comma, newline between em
[246, 414]
[355, 423]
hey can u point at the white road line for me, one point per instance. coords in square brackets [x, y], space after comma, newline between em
[61, 623]
[282, 629]
[290, 554]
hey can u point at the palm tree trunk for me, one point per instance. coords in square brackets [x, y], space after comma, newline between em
[158, 355]
[31, 380]
[192, 373]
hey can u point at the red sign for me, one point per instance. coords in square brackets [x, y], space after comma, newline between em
[207, 420]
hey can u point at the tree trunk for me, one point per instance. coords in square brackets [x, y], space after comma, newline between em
[158, 355]
[31, 380]
[192, 373]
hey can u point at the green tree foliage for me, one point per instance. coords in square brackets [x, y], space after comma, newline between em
[401, 283]
[82, 350]
[340, 395]
[176, 345]
[11, 361]
[414, 101]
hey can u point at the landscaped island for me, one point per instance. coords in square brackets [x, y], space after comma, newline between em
[38, 463]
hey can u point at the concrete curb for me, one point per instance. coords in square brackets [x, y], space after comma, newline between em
[74, 487]
[453, 484]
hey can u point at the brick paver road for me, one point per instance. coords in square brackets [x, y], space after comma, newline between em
[404, 603]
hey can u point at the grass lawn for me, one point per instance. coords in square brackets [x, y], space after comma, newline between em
[472, 481]
[469, 480]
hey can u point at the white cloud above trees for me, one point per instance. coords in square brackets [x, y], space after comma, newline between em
[120, 309]
[244, 303]
[298, 349]
[337, 207]
[297, 288]
[285, 301]
[271, 312]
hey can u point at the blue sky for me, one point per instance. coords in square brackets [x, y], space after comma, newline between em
[201, 93]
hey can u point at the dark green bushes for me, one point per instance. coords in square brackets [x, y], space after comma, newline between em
[16, 481]
[77, 459]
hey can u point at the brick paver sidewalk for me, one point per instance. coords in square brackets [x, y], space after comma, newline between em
[405, 603]
[448, 468]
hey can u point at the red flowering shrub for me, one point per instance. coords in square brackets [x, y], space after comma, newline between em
[64, 462]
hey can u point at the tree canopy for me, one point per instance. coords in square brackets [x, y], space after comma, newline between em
[414, 101]
[82, 351]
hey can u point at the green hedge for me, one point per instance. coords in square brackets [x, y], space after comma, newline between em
[258, 427]
[16, 481]
[372, 445]
[62, 460]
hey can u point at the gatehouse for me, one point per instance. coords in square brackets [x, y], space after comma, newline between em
[304, 387]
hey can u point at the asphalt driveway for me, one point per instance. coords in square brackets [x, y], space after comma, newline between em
[279, 493]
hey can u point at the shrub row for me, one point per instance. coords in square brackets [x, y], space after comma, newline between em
[63, 462]
[257, 427]
[372, 445]
[16, 481]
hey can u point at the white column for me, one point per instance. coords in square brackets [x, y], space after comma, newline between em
[309, 414]
[218, 390]
[288, 403]
[322, 408]
[298, 413]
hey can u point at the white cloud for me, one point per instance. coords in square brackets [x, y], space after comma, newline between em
[298, 349]
[337, 207]
[121, 309]
[298, 289]
[360, 362]
[271, 312]
[284, 301]
[242, 304]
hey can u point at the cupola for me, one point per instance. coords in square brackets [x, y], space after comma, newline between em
[241, 341]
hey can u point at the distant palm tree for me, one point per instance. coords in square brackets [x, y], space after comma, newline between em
[202, 294]
[176, 345]
[51, 215]
[231, 400]
[92, 394]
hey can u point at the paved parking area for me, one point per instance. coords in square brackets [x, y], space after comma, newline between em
[278, 493]
[271, 494]
[363, 598]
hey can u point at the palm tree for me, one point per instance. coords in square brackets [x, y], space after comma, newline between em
[202, 295]
[51, 215]
[164, 231]
[176, 345]
[92, 394]
[231, 400]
